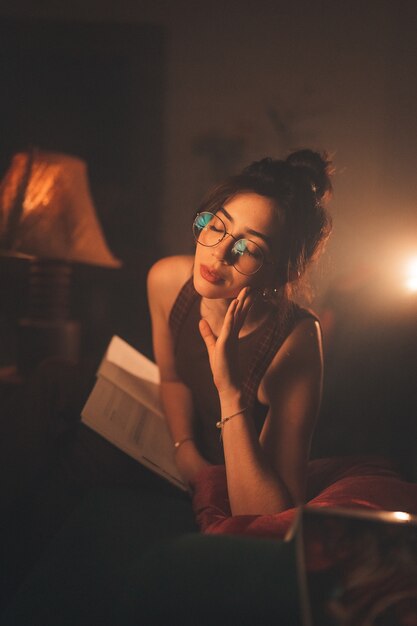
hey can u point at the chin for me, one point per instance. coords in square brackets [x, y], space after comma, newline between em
[213, 291]
[205, 289]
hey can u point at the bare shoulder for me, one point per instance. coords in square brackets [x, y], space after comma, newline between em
[165, 279]
[300, 356]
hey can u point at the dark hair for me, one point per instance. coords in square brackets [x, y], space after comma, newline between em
[300, 186]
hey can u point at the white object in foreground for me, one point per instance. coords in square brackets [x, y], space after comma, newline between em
[124, 407]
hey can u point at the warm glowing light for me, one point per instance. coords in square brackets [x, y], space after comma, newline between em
[412, 266]
[401, 515]
[411, 284]
[411, 275]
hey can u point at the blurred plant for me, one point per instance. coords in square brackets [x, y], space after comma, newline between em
[287, 118]
[224, 152]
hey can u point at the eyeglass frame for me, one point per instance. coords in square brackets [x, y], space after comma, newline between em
[236, 240]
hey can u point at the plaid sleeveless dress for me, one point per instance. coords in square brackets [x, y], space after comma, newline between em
[256, 351]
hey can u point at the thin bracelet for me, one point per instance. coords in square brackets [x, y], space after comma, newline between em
[178, 444]
[221, 422]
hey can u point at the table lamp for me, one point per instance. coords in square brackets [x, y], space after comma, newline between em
[48, 221]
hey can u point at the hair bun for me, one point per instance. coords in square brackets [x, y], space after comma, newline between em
[316, 167]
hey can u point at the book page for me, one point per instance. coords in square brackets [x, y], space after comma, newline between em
[144, 391]
[120, 353]
[133, 427]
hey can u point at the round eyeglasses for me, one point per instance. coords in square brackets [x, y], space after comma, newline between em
[209, 230]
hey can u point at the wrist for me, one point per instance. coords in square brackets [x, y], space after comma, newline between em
[231, 400]
[227, 418]
[190, 462]
[182, 441]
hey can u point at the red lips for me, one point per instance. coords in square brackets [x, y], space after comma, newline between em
[210, 275]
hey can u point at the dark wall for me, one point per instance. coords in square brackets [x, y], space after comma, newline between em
[97, 91]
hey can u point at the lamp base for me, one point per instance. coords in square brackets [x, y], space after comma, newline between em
[41, 339]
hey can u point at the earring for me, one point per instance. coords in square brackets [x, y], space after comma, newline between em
[269, 294]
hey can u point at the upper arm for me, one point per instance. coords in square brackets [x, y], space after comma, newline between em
[165, 279]
[292, 389]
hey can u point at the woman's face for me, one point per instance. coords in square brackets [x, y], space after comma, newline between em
[250, 216]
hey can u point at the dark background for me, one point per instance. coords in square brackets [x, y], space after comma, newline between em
[95, 91]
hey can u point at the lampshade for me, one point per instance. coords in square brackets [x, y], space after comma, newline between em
[46, 210]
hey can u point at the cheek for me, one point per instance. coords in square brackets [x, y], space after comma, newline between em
[201, 252]
[240, 281]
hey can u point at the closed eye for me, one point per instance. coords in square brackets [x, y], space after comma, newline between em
[248, 248]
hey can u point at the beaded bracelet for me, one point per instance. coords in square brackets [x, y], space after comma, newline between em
[178, 444]
[221, 422]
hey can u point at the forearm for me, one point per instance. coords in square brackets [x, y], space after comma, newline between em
[254, 486]
[178, 407]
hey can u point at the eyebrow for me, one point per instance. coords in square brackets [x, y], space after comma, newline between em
[265, 238]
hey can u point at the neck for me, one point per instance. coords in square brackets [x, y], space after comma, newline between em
[214, 310]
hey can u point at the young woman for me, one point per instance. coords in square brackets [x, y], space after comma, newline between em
[241, 376]
[237, 357]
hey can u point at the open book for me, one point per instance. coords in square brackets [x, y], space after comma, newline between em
[124, 407]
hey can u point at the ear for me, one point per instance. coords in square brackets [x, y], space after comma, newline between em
[293, 275]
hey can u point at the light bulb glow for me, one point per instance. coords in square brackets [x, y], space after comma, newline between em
[401, 515]
[411, 275]
[411, 284]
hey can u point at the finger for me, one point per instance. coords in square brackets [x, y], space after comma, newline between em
[228, 322]
[207, 335]
[245, 303]
[243, 293]
[229, 319]
[241, 299]
[249, 301]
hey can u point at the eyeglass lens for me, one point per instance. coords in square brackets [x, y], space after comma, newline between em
[209, 230]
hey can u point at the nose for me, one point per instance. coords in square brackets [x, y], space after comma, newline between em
[222, 252]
